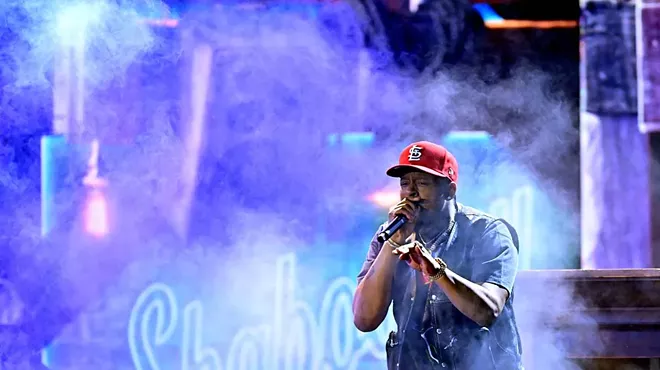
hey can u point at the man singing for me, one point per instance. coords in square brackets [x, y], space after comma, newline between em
[449, 270]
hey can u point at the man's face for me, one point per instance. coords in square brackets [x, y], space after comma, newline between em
[429, 191]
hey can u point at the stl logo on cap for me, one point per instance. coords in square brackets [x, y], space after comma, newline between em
[415, 153]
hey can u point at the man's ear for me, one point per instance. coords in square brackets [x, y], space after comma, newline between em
[451, 192]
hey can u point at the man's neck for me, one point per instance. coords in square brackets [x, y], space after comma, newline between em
[438, 221]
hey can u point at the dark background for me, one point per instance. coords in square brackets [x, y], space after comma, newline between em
[27, 111]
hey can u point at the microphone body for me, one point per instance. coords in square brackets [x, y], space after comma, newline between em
[392, 228]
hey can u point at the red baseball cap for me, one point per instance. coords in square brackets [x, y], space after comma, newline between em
[428, 157]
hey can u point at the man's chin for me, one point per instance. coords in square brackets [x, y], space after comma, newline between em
[427, 214]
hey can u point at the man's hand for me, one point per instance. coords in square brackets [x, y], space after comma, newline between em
[404, 208]
[418, 257]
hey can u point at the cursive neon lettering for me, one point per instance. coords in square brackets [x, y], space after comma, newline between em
[298, 338]
[202, 357]
[522, 203]
[518, 209]
[244, 348]
[158, 303]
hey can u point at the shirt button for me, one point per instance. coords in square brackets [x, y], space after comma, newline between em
[397, 365]
[433, 297]
[439, 331]
[412, 298]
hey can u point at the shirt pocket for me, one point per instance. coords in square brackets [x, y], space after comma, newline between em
[441, 311]
[437, 298]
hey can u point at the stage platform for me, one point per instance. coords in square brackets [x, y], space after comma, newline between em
[598, 319]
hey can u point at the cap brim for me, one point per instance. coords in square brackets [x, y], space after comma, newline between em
[402, 169]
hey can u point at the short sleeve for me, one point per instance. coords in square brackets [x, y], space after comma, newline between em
[372, 253]
[496, 256]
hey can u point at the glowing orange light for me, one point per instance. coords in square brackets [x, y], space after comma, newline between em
[96, 214]
[509, 24]
[385, 199]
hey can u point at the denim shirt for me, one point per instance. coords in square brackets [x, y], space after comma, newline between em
[432, 333]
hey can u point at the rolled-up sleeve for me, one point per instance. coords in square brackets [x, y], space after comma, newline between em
[372, 253]
[496, 257]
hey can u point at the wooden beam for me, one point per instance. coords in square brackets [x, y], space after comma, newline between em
[648, 71]
[589, 314]
[614, 154]
[648, 64]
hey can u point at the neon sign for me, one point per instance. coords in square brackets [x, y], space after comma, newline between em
[297, 337]
[518, 209]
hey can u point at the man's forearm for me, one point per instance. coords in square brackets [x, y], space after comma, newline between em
[374, 293]
[473, 300]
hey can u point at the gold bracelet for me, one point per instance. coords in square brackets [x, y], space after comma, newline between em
[393, 244]
[440, 273]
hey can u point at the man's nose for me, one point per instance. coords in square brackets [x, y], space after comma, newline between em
[412, 192]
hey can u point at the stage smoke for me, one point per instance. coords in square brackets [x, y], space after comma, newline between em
[234, 120]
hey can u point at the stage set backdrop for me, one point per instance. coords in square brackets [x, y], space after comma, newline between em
[290, 306]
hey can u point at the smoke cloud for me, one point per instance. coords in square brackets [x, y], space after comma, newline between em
[228, 122]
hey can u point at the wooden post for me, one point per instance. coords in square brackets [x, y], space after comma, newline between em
[648, 70]
[615, 157]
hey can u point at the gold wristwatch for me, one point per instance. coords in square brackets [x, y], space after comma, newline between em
[441, 271]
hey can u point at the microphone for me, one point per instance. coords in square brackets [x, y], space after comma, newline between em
[391, 228]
